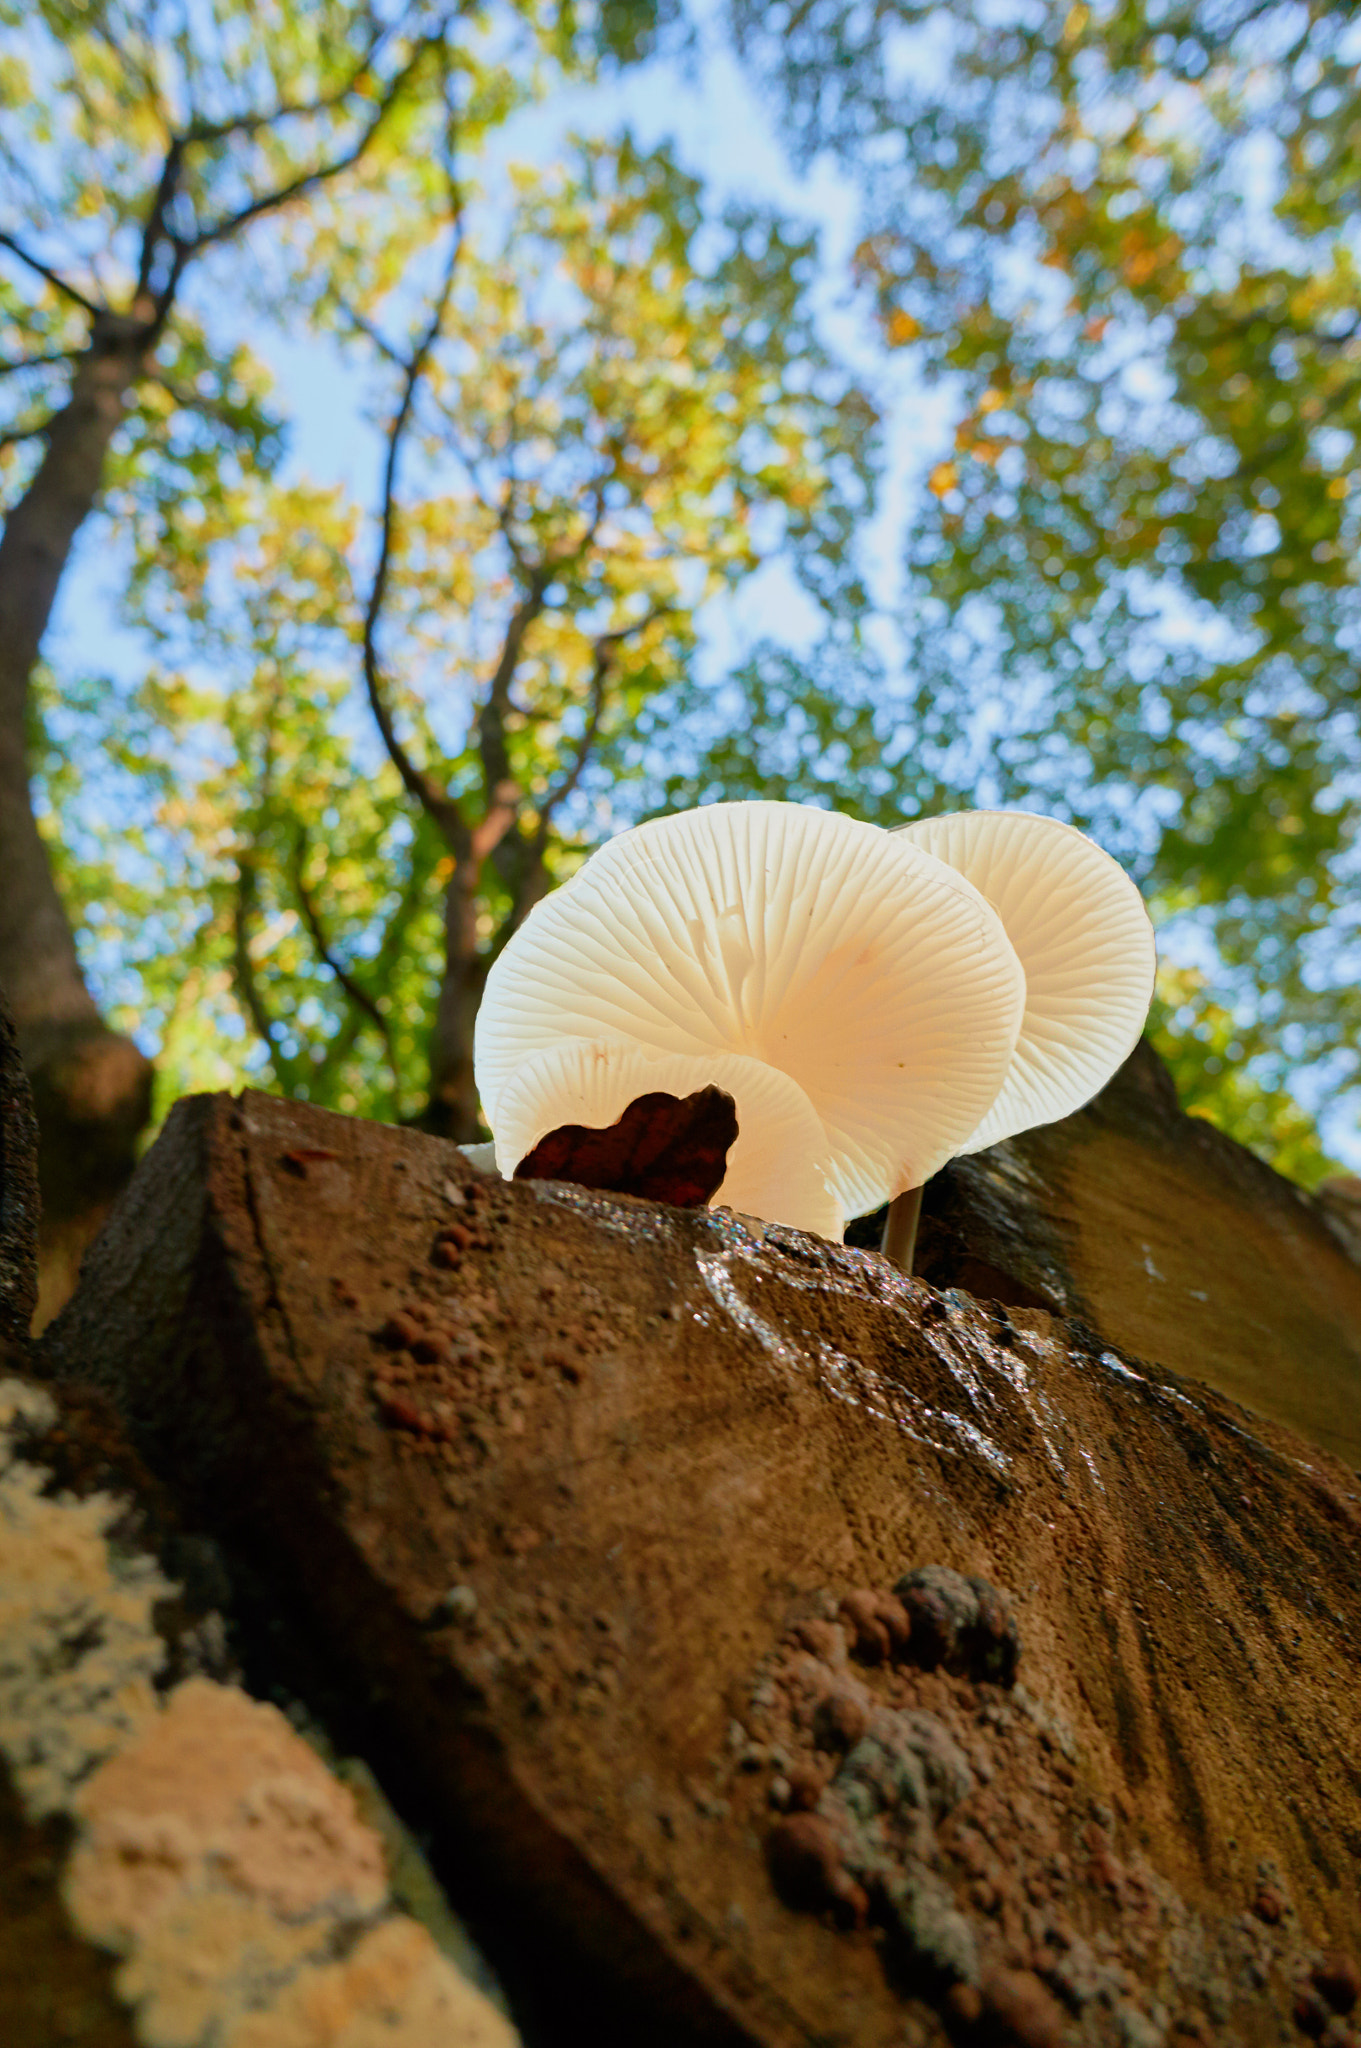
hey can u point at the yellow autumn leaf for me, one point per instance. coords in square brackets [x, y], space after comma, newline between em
[943, 479]
[900, 328]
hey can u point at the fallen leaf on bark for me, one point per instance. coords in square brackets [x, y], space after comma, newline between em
[666, 1148]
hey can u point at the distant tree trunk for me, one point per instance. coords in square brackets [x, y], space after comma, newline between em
[91, 1087]
[451, 1110]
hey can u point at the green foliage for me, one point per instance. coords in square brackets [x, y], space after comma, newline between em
[1223, 1071]
[173, 170]
[821, 729]
[1125, 236]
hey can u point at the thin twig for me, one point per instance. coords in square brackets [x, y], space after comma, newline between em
[265, 1025]
[306, 181]
[57, 282]
[438, 804]
[9, 366]
[357, 994]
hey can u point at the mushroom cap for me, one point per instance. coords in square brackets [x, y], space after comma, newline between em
[772, 1168]
[1084, 939]
[871, 974]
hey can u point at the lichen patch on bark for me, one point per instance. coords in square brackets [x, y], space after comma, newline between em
[212, 1849]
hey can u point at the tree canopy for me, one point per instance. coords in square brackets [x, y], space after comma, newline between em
[167, 175]
[616, 405]
[1126, 237]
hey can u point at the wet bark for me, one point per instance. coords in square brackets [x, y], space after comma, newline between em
[91, 1087]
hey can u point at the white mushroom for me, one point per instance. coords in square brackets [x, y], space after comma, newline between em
[1084, 938]
[866, 974]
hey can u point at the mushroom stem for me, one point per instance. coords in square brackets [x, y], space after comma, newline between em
[900, 1228]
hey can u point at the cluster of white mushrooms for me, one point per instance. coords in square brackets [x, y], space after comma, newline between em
[875, 1002]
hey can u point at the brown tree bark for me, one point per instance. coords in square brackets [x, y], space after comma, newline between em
[789, 1653]
[18, 1198]
[91, 1086]
[451, 1110]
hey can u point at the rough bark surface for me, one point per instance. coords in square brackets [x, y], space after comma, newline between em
[1157, 1232]
[687, 1564]
[92, 1087]
[179, 1868]
[18, 1195]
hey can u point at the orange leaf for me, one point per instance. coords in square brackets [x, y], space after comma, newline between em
[900, 328]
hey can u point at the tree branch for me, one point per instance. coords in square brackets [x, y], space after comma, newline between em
[167, 186]
[306, 181]
[13, 435]
[357, 994]
[244, 969]
[439, 806]
[491, 719]
[8, 366]
[604, 650]
[289, 110]
[58, 283]
[341, 1046]
[568, 781]
[520, 857]
[578, 549]
[502, 791]
[369, 331]
[505, 517]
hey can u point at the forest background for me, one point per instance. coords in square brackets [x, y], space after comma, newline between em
[433, 437]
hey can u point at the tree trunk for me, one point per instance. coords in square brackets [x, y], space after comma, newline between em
[451, 1111]
[18, 1198]
[91, 1087]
